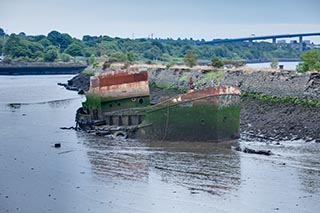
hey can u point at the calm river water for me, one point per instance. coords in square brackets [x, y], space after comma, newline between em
[95, 174]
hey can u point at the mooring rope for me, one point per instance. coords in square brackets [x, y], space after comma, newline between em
[167, 123]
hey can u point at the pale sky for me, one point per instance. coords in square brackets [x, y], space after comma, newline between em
[208, 19]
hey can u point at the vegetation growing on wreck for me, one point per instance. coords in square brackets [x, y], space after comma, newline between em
[287, 99]
[88, 72]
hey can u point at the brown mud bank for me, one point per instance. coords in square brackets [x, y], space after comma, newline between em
[260, 119]
[266, 120]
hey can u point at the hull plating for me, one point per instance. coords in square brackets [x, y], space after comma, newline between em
[207, 119]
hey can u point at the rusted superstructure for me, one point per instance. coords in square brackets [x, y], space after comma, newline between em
[120, 100]
[115, 91]
[120, 84]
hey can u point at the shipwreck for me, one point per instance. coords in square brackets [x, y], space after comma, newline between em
[118, 103]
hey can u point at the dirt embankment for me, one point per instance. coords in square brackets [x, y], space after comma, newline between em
[259, 118]
[278, 120]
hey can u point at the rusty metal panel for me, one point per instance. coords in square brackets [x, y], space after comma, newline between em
[134, 89]
[121, 77]
[211, 91]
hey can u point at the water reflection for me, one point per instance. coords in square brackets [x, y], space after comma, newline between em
[59, 103]
[309, 167]
[302, 156]
[199, 167]
[52, 104]
[213, 168]
[310, 180]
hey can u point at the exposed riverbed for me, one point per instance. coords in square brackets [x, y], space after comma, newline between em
[96, 174]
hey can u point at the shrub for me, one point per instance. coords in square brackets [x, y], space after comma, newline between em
[216, 63]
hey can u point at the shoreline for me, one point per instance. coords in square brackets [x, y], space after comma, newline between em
[40, 68]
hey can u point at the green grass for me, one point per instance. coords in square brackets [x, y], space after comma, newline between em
[216, 74]
[88, 72]
[287, 99]
[184, 77]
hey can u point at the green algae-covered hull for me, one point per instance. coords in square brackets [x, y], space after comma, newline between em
[208, 118]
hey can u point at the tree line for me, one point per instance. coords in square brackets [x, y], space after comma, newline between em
[57, 46]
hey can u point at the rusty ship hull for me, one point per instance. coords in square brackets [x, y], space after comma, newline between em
[120, 101]
[211, 114]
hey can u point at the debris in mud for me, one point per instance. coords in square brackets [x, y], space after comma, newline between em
[68, 128]
[252, 151]
[120, 132]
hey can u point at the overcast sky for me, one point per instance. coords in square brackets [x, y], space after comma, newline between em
[208, 19]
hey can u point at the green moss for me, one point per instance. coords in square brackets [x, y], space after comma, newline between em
[170, 87]
[204, 122]
[208, 77]
[163, 85]
[184, 77]
[286, 99]
[216, 74]
[88, 72]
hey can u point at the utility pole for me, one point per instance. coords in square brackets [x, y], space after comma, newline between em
[101, 47]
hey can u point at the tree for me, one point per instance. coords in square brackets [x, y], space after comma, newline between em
[74, 49]
[45, 42]
[190, 59]
[310, 61]
[217, 63]
[131, 57]
[54, 37]
[16, 47]
[2, 33]
[51, 54]
[60, 40]
[65, 57]
[154, 53]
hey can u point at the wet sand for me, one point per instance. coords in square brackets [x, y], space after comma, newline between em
[95, 174]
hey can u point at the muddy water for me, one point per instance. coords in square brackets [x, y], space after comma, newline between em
[96, 174]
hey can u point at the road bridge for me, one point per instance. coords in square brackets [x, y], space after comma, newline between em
[254, 38]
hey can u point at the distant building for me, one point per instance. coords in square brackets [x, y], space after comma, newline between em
[293, 42]
[281, 41]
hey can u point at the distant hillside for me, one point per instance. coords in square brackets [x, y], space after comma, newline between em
[58, 46]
